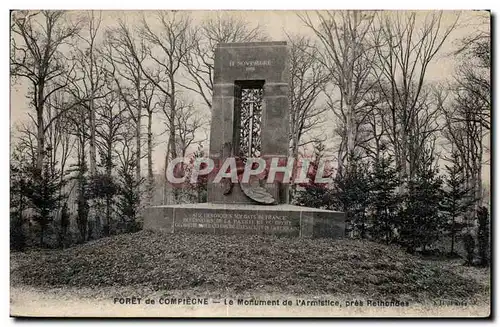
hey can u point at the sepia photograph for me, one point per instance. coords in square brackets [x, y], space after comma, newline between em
[250, 163]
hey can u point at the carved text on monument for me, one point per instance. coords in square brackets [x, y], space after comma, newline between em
[260, 222]
[250, 63]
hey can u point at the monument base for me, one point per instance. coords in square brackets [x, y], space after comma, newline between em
[281, 220]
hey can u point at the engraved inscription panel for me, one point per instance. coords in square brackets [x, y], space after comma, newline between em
[244, 222]
[266, 60]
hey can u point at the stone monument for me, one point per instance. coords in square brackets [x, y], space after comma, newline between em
[250, 119]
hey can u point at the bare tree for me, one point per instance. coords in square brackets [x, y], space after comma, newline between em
[38, 38]
[93, 75]
[169, 45]
[58, 140]
[466, 130]
[169, 42]
[473, 75]
[404, 51]
[129, 199]
[126, 53]
[307, 81]
[110, 119]
[26, 141]
[188, 127]
[79, 123]
[347, 53]
[150, 105]
[468, 116]
[371, 127]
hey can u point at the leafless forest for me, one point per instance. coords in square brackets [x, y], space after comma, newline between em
[103, 93]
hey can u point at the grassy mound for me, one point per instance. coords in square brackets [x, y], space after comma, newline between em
[241, 263]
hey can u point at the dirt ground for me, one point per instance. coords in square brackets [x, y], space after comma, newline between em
[27, 301]
[88, 302]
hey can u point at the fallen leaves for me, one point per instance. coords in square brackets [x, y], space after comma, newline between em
[240, 263]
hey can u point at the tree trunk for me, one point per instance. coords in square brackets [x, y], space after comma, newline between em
[295, 156]
[479, 179]
[92, 145]
[109, 159]
[171, 122]
[138, 129]
[92, 160]
[150, 156]
[108, 215]
[93, 68]
[173, 143]
[165, 174]
[340, 161]
[350, 131]
[40, 140]
[453, 229]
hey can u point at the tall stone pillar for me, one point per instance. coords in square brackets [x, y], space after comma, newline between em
[240, 65]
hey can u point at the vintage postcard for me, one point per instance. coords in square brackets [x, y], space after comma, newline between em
[250, 163]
